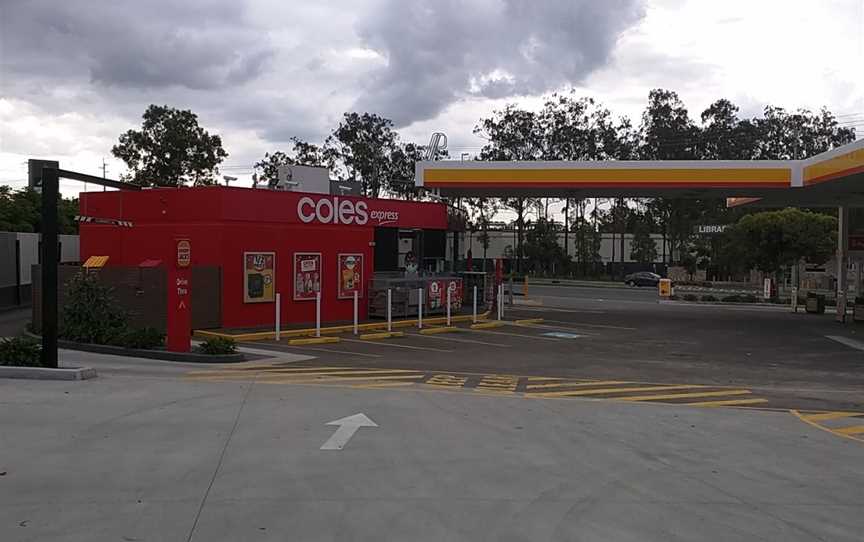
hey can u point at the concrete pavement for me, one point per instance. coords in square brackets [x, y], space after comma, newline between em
[136, 458]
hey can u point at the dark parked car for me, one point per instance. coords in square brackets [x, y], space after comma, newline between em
[642, 278]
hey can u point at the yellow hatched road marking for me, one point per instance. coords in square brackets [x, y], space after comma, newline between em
[829, 416]
[530, 387]
[854, 430]
[730, 402]
[603, 391]
[683, 395]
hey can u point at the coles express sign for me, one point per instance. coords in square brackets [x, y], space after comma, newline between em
[337, 210]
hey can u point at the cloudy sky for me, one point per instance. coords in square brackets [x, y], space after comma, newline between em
[76, 74]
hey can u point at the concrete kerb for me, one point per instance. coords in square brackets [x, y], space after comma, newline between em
[334, 330]
[437, 330]
[380, 336]
[46, 373]
[529, 321]
[487, 325]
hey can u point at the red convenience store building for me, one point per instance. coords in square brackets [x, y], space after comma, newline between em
[263, 242]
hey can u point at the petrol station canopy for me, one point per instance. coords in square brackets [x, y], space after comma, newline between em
[831, 179]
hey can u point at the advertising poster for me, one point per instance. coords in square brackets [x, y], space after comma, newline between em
[436, 294]
[350, 275]
[307, 275]
[259, 277]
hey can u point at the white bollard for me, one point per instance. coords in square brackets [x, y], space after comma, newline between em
[389, 314]
[356, 314]
[475, 305]
[420, 308]
[317, 314]
[448, 307]
[278, 314]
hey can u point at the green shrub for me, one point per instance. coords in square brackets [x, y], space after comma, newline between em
[691, 297]
[709, 298]
[731, 299]
[749, 298]
[145, 337]
[90, 313]
[20, 352]
[215, 346]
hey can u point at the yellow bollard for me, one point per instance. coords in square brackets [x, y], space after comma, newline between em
[525, 287]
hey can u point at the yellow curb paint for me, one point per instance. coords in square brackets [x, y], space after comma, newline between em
[683, 395]
[730, 402]
[530, 321]
[379, 336]
[487, 325]
[436, 330]
[314, 340]
[288, 333]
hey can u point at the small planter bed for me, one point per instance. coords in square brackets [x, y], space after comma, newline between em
[153, 353]
[21, 357]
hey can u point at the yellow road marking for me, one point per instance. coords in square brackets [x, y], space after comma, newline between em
[530, 387]
[683, 395]
[383, 385]
[730, 402]
[487, 325]
[854, 430]
[286, 379]
[829, 416]
[603, 391]
[804, 419]
[312, 372]
[447, 381]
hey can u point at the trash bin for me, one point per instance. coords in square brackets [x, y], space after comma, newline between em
[815, 303]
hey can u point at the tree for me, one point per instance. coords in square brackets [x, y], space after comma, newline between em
[770, 240]
[541, 247]
[643, 249]
[365, 144]
[21, 211]
[480, 212]
[512, 134]
[170, 149]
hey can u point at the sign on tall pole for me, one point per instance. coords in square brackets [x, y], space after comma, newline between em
[179, 336]
[50, 255]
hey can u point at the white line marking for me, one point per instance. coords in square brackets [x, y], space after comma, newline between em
[851, 343]
[347, 427]
[380, 343]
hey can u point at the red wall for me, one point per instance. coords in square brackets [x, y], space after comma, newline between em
[223, 223]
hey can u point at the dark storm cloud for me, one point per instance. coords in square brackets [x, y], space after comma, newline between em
[138, 44]
[440, 51]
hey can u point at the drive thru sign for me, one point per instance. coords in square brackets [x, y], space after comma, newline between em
[179, 324]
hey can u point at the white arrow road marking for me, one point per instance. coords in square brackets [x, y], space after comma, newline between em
[347, 427]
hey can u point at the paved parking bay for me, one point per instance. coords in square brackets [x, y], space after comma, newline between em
[792, 361]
